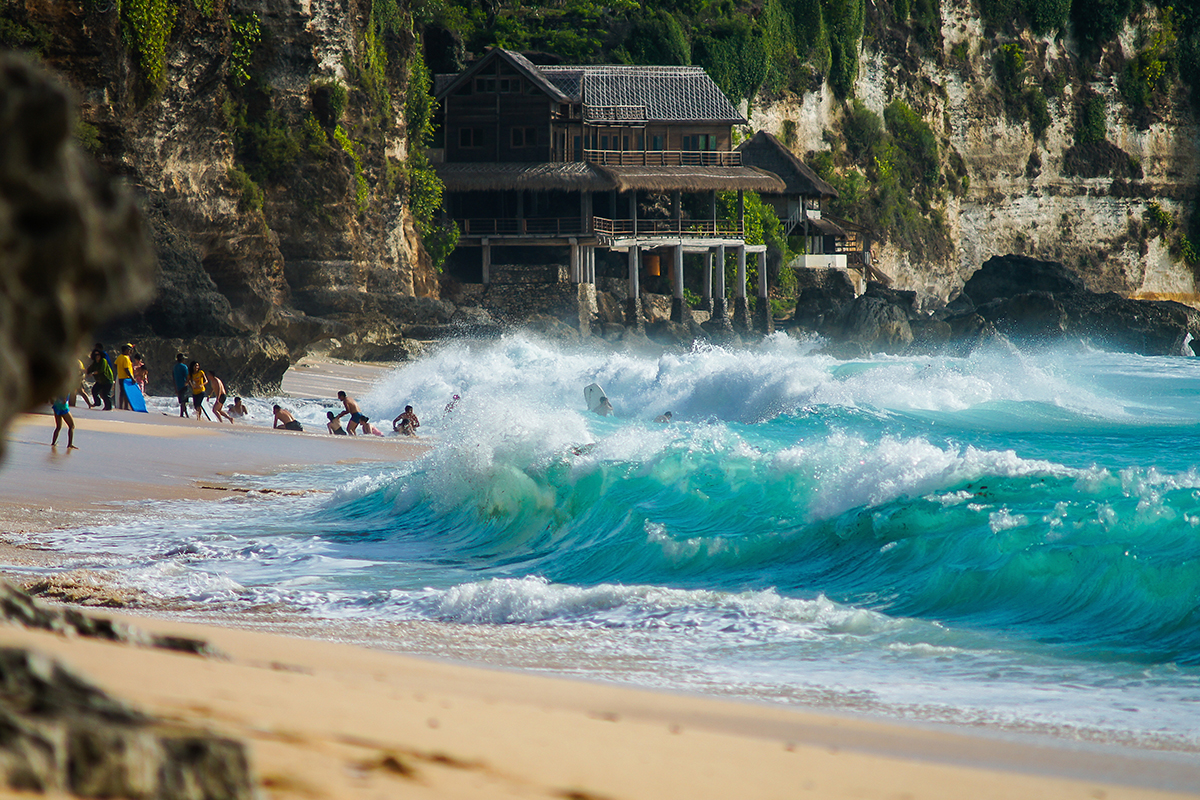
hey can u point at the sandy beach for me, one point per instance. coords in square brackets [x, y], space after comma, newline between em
[329, 720]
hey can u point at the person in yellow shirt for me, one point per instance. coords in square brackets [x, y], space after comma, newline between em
[124, 367]
[199, 383]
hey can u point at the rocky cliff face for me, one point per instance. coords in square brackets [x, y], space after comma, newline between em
[265, 141]
[1093, 208]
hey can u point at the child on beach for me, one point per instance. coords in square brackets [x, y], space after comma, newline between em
[62, 413]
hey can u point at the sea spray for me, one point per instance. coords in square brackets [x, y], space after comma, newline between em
[1003, 538]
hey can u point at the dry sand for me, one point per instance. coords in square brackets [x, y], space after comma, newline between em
[326, 720]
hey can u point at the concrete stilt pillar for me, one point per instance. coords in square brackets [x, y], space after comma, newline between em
[708, 281]
[741, 307]
[576, 272]
[679, 309]
[764, 320]
[720, 309]
[487, 263]
[633, 305]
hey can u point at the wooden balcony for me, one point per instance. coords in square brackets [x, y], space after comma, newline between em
[664, 158]
[609, 229]
[604, 229]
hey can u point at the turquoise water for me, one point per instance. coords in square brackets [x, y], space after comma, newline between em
[1008, 539]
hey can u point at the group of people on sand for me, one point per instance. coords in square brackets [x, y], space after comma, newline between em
[193, 384]
[112, 379]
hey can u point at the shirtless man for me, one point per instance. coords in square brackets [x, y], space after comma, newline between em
[356, 416]
[217, 387]
[238, 409]
[407, 423]
[284, 419]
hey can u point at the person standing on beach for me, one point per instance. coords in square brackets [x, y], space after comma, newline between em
[102, 379]
[285, 420]
[356, 416]
[180, 374]
[218, 392]
[62, 413]
[407, 423]
[198, 383]
[124, 369]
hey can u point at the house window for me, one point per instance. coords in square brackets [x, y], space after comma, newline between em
[641, 141]
[625, 143]
[470, 137]
[578, 149]
[603, 142]
[485, 85]
[524, 137]
[657, 143]
[509, 85]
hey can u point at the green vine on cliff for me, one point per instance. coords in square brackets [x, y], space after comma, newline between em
[246, 33]
[424, 186]
[362, 191]
[147, 25]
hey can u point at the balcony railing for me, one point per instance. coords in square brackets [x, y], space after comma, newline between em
[603, 228]
[537, 226]
[614, 228]
[664, 158]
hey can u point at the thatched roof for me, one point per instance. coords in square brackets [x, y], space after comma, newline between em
[766, 152]
[568, 176]
[694, 179]
[580, 176]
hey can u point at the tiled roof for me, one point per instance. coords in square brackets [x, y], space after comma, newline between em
[663, 93]
[624, 93]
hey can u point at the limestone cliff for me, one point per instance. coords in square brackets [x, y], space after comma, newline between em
[1113, 211]
[266, 143]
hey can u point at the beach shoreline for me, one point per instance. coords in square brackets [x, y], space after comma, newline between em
[329, 719]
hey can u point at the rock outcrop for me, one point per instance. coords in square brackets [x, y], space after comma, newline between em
[266, 144]
[74, 249]
[60, 734]
[1028, 302]
[1113, 211]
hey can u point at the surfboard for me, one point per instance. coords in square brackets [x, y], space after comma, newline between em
[136, 401]
[594, 396]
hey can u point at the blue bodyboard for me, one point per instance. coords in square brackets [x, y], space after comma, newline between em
[136, 401]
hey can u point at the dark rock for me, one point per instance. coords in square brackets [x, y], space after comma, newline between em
[551, 328]
[929, 335]
[1030, 315]
[1007, 276]
[612, 331]
[1139, 326]
[877, 324]
[845, 350]
[897, 297]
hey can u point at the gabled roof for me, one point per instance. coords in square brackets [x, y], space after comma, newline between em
[445, 84]
[640, 93]
[766, 152]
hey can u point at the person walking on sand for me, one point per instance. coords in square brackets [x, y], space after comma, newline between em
[102, 379]
[334, 425]
[407, 423]
[356, 416]
[179, 373]
[217, 386]
[285, 420]
[124, 369]
[198, 383]
[62, 413]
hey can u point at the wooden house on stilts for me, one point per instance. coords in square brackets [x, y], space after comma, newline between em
[558, 156]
